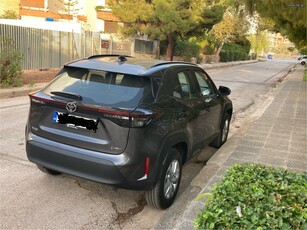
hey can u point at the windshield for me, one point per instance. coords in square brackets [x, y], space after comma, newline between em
[103, 88]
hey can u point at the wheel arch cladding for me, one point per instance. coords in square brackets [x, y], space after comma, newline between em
[178, 141]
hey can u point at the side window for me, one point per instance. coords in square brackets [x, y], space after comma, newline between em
[204, 84]
[182, 86]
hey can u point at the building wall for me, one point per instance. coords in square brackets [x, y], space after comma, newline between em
[40, 23]
[33, 3]
[55, 6]
[93, 24]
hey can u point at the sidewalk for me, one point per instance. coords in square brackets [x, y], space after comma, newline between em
[20, 91]
[275, 135]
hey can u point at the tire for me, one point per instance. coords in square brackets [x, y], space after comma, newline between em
[48, 171]
[223, 135]
[163, 194]
[303, 62]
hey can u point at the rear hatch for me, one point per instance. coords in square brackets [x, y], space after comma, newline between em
[90, 109]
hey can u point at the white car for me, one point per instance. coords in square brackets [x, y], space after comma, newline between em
[303, 60]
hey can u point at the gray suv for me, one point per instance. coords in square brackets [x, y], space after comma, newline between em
[126, 122]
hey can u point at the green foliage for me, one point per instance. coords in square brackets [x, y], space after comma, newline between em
[233, 28]
[303, 51]
[254, 196]
[98, 8]
[259, 41]
[288, 15]
[70, 6]
[157, 18]
[209, 44]
[10, 63]
[187, 49]
[210, 15]
[235, 52]
[9, 14]
[166, 19]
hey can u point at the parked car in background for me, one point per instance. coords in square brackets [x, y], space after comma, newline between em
[127, 122]
[303, 60]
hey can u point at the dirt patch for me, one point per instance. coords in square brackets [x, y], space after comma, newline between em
[39, 76]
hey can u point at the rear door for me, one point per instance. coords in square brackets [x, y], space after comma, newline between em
[188, 107]
[88, 109]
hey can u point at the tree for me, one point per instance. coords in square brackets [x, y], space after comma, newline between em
[233, 28]
[70, 7]
[258, 37]
[259, 41]
[288, 15]
[9, 14]
[162, 19]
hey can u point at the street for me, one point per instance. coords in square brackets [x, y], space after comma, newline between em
[31, 199]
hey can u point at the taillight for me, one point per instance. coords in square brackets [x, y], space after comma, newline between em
[133, 120]
[147, 161]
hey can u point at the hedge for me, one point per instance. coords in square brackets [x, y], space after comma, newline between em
[254, 196]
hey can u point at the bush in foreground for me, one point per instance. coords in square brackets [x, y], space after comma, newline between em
[10, 63]
[253, 196]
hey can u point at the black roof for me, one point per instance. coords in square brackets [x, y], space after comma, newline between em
[124, 64]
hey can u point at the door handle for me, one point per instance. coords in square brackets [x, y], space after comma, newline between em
[207, 100]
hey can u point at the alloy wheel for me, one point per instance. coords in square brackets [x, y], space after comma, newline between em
[171, 180]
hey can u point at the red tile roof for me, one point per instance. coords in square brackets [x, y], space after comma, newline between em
[107, 16]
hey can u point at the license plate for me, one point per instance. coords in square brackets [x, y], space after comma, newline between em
[73, 121]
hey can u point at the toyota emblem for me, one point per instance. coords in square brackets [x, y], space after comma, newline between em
[71, 107]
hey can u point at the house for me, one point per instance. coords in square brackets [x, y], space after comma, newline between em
[92, 15]
[80, 11]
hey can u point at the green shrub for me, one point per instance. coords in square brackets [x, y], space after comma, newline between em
[9, 14]
[303, 51]
[10, 63]
[187, 49]
[224, 56]
[209, 49]
[268, 198]
[236, 52]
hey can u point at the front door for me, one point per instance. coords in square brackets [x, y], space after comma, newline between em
[210, 101]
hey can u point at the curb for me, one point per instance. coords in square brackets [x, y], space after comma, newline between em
[22, 91]
[226, 64]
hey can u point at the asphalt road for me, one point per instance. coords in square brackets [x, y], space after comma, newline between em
[33, 200]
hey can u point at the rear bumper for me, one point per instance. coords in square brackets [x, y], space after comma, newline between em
[116, 170]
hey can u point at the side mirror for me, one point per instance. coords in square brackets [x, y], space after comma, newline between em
[224, 91]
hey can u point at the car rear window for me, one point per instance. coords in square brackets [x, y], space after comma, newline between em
[102, 87]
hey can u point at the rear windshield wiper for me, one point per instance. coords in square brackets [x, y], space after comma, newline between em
[67, 95]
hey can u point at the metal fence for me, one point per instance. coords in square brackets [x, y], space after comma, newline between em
[51, 49]
[145, 46]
